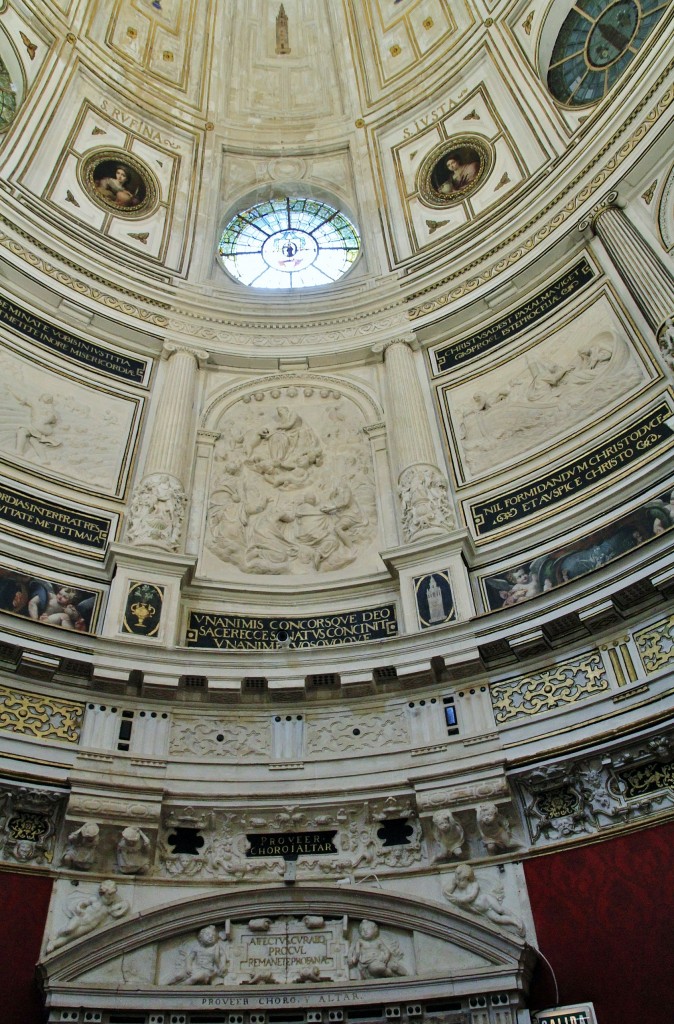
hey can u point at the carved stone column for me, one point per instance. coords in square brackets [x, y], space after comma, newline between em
[422, 486]
[157, 508]
[640, 267]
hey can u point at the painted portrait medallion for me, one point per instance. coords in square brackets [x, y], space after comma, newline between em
[119, 183]
[454, 170]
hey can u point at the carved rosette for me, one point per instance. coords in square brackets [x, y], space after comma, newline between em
[156, 513]
[423, 492]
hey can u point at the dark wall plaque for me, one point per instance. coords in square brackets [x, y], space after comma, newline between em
[85, 352]
[290, 845]
[20, 509]
[614, 455]
[142, 613]
[253, 632]
[524, 316]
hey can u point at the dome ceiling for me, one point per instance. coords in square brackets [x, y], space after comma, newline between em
[210, 108]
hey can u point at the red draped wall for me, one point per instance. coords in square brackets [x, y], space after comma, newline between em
[605, 921]
[24, 900]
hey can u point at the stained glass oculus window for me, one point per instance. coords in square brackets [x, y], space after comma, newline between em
[596, 42]
[288, 243]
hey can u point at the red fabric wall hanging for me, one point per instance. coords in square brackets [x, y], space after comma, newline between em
[24, 900]
[605, 921]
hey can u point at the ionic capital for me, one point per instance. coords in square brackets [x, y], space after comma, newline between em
[170, 348]
[609, 201]
[409, 340]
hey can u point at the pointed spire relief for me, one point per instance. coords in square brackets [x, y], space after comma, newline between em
[282, 41]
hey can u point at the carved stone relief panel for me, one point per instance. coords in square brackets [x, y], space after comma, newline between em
[292, 487]
[62, 428]
[570, 378]
[79, 911]
[233, 739]
[350, 733]
[29, 822]
[351, 840]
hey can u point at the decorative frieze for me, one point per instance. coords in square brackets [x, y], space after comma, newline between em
[656, 644]
[552, 688]
[44, 718]
[583, 796]
[29, 820]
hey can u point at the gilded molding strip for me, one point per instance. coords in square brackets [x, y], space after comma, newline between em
[656, 644]
[550, 689]
[42, 717]
[76, 285]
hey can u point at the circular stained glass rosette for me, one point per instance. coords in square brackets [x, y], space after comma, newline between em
[597, 41]
[288, 243]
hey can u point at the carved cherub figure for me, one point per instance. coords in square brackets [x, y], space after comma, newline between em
[466, 892]
[448, 834]
[372, 957]
[82, 847]
[90, 912]
[494, 829]
[132, 851]
[205, 961]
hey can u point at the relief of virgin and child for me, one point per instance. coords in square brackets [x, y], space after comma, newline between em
[287, 500]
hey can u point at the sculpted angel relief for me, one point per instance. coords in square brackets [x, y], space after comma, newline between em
[292, 493]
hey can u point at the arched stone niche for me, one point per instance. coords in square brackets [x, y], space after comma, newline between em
[290, 481]
[305, 950]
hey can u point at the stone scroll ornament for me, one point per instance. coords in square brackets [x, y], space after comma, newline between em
[424, 502]
[156, 513]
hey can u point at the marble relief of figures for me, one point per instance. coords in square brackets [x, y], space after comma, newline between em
[577, 558]
[541, 395]
[291, 492]
[371, 957]
[203, 961]
[61, 426]
[467, 893]
[156, 512]
[85, 913]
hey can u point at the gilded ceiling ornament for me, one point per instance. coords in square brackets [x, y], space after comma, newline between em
[119, 183]
[31, 47]
[647, 196]
[453, 170]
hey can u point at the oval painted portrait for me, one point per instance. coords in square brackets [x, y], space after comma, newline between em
[454, 170]
[119, 183]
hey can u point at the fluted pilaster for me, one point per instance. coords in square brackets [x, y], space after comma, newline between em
[422, 486]
[157, 508]
[640, 267]
[173, 420]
